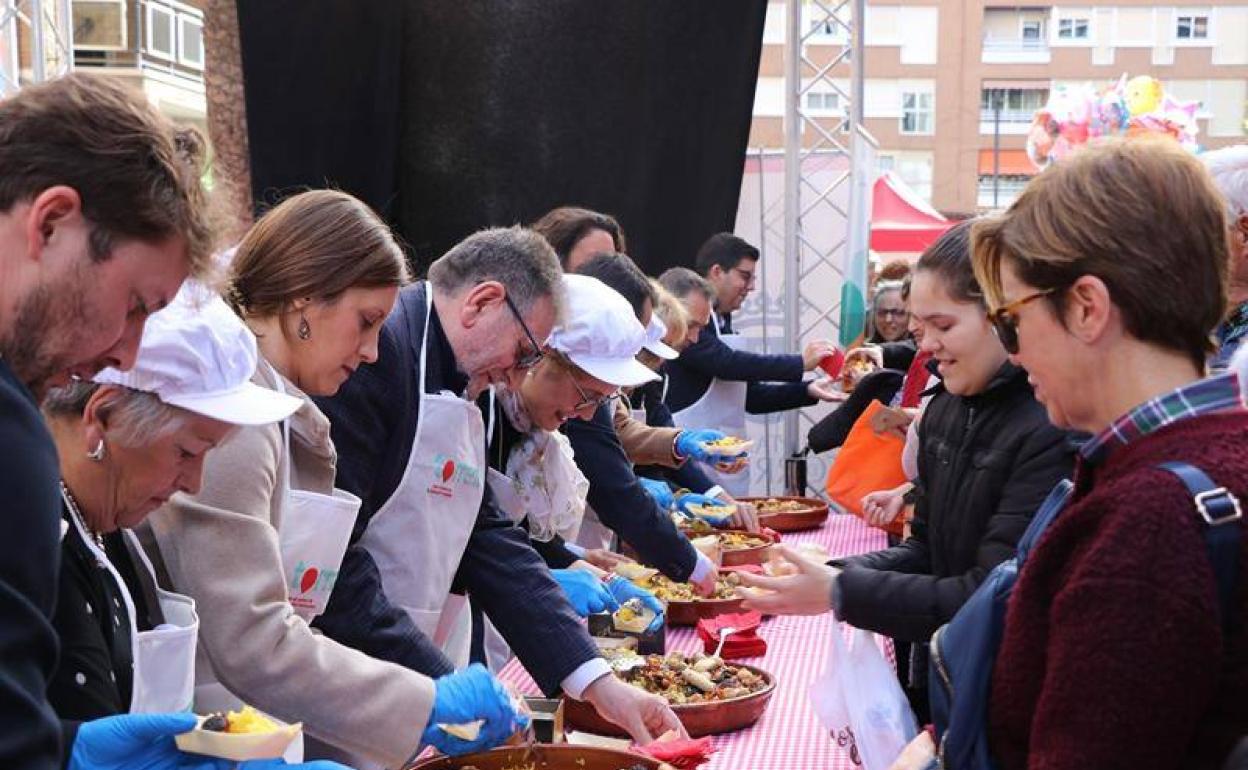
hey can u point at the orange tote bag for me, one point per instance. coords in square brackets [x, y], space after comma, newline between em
[868, 462]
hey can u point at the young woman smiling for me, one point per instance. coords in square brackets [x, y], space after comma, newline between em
[987, 458]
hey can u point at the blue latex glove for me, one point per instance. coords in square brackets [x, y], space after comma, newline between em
[623, 590]
[585, 592]
[692, 443]
[466, 696]
[695, 499]
[659, 490]
[145, 742]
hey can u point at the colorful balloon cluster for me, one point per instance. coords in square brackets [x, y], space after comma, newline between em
[1128, 108]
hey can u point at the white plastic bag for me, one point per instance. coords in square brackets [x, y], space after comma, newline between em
[861, 703]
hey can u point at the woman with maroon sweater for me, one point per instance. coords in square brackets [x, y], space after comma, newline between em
[1106, 278]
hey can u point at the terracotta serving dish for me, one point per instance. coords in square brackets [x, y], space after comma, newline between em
[543, 756]
[689, 613]
[737, 557]
[713, 718]
[810, 517]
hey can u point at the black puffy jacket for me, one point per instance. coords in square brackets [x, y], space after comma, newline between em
[986, 462]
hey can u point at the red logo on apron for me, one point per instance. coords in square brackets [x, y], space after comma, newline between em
[308, 580]
[448, 470]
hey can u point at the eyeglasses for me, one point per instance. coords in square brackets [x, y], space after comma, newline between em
[529, 359]
[1004, 320]
[588, 401]
[885, 312]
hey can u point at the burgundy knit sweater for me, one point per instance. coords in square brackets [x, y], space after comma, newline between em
[1113, 654]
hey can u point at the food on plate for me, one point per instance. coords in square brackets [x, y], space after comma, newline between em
[633, 571]
[695, 678]
[740, 541]
[239, 736]
[633, 616]
[712, 511]
[245, 720]
[855, 369]
[775, 505]
[728, 444]
[668, 590]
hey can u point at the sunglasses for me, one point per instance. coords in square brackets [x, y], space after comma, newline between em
[1004, 320]
[526, 359]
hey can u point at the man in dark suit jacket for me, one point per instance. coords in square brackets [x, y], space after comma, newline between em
[728, 264]
[374, 418]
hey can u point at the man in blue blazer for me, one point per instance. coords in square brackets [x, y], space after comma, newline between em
[715, 382]
[412, 445]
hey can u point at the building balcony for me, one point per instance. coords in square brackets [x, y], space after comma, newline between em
[1013, 122]
[158, 44]
[1015, 51]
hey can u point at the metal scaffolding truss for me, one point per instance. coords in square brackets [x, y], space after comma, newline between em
[810, 194]
[36, 41]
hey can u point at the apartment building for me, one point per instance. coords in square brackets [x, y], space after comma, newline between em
[157, 44]
[950, 86]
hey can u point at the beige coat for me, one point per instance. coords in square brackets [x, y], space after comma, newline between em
[645, 444]
[221, 548]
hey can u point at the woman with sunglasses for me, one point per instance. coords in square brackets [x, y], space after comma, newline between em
[1107, 276]
[987, 459]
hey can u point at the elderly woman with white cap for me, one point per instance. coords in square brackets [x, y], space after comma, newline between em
[127, 442]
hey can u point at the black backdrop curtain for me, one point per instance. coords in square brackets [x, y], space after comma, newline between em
[451, 116]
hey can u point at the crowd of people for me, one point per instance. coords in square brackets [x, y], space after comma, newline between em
[285, 473]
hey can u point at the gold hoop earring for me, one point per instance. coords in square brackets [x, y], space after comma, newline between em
[97, 454]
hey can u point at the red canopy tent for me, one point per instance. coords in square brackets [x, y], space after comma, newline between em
[901, 221]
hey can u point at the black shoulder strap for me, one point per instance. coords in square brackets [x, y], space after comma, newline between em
[1220, 511]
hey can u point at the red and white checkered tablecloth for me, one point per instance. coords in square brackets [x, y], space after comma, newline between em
[788, 736]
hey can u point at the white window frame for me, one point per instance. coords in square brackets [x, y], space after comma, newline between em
[1022, 30]
[1191, 17]
[125, 30]
[150, 49]
[918, 111]
[823, 109]
[1074, 22]
[182, 19]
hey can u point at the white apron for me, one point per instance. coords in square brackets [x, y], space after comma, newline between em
[418, 537]
[164, 659]
[497, 651]
[722, 408]
[313, 536]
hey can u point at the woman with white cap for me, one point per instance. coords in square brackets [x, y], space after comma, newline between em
[258, 546]
[533, 473]
[127, 442]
